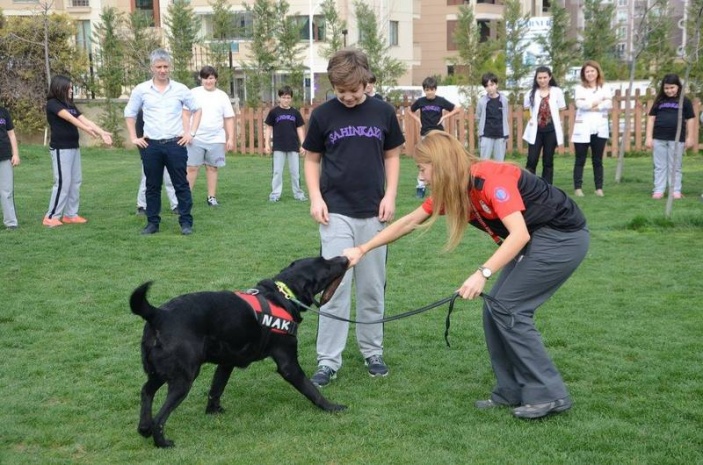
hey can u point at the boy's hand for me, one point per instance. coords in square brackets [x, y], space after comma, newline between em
[386, 210]
[318, 211]
[15, 161]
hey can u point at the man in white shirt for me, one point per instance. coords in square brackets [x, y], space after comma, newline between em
[166, 133]
[215, 134]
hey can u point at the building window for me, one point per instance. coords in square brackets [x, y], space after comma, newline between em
[463, 2]
[318, 27]
[146, 7]
[484, 28]
[241, 29]
[83, 35]
[393, 33]
[75, 3]
[451, 27]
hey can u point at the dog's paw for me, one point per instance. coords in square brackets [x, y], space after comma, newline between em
[164, 444]
[214, 409]
[144, 430]
[336, 408]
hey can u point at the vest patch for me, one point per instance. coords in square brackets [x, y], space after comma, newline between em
[277, 321]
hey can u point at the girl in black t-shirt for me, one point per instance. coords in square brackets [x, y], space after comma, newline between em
[64, 121]
[661, 135]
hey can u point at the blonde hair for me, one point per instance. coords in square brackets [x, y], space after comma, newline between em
[348, 69]
[600, 80]
[450, 183]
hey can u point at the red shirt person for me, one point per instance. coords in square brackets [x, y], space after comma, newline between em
[542, 238]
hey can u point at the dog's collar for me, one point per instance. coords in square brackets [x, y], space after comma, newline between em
[285, 290]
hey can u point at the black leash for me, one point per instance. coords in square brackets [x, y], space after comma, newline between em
[451, 299]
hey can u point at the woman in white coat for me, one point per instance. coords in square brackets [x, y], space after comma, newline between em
[544, 130]
[593, 100]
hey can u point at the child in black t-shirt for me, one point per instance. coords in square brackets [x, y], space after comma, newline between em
[64, 121]
[288, 128]
[352, 166]
[434, 110]
[9, 158]
[661, 135]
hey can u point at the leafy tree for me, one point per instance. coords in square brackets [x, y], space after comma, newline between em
[110, 52]
[372, 42]
[693, 49]
[32, 48]
[557, 45]
[222, 30]
[111, 76]
[289, 48]
[183, 28]
[334, 28]
[692, 58]
[472, 53]
[142, 40]
[513, 28]
[653, 19]
[599, 36]
[262, 56]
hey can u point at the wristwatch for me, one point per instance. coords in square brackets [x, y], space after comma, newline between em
[486, 272]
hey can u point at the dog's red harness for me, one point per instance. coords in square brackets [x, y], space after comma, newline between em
[270, 316]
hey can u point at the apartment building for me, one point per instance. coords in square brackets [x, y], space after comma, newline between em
[434, 22]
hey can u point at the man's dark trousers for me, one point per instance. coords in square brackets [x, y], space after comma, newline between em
[160, 154]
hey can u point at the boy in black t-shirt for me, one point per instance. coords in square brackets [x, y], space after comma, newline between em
[9, 158]
[434, 110]
[492, 118]
[352, 166]
[288, 128]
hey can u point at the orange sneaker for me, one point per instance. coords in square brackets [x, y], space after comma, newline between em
[51, 222]
[74, 220]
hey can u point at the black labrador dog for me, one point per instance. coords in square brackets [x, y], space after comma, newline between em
[230, 330]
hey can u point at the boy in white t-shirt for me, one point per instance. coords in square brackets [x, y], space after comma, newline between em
[215, 134]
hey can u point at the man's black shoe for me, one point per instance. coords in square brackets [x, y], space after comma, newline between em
[150, 228]
[186, 230]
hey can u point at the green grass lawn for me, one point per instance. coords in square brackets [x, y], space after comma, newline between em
[625, 332]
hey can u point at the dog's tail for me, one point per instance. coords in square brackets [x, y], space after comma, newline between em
[140, 306]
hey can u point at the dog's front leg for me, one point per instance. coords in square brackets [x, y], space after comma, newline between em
[289, 368]
[219, 382]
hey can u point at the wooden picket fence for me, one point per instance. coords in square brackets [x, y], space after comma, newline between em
[250, 127]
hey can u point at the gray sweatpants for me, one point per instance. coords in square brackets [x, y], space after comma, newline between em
[663, 153]
[524, 372]
[490, 146]
[7, 193]
[65, 194]
[369, 277]
[279, 160]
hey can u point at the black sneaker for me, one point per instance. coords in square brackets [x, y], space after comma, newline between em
[532, 412]
[212, 201]
[323, 376]
[377, 366]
